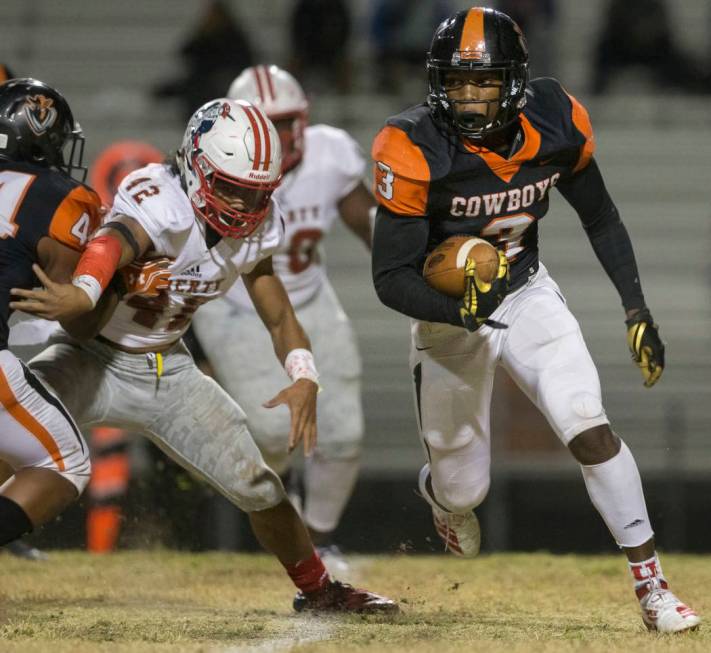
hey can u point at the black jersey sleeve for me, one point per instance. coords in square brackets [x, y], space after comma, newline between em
[586, 193]
[399, 246]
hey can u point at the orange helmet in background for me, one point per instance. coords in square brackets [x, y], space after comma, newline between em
[116, 161]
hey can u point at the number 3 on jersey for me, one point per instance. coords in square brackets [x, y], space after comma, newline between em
[509, 232]
[385, 182]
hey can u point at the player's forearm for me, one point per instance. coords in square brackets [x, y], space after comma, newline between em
[288, 335]
[118, 243]
[405, 291]
[355, 209]
[613, 248]
[398, 248]
[608, 236]
[89, 325]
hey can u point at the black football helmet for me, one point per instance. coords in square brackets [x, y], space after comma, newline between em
[37, 126]
[478, 39]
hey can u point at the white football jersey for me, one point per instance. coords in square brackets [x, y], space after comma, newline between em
[333, 165]
[154, 197]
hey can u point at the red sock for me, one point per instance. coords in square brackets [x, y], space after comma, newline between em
[309, 575]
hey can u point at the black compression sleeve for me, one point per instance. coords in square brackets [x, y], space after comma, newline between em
[586, 193]
[399, 245]
[126, 233]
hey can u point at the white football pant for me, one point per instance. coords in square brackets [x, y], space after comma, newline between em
[242, 356]
[544, 353]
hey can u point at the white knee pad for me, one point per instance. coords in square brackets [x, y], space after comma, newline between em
[328, 486]
[462, 490]
[615, 489]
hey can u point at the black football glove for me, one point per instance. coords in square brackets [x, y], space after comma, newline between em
[481, 299]
[646, 346]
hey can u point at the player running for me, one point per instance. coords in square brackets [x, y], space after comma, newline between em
[480, 157]
[323, 179]
[187, 231]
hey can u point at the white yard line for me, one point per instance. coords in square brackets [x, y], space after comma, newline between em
[307, 629]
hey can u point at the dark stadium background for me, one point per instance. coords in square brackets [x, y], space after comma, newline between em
[110, 59]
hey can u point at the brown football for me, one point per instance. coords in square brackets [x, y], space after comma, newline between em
[444, 267]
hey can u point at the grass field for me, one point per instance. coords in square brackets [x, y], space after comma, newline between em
[166, 601]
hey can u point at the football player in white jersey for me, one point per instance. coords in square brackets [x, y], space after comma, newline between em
[323, 179]
[187, 230]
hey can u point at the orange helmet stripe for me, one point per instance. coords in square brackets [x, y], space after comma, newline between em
[473, 40]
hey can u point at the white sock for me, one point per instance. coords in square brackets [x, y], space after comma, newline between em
[615, 489]
[328, 485]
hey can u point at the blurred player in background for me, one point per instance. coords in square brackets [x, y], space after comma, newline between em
[184, 232]
[323, 179]
[110, 461]
[46, 217]
[480, 158]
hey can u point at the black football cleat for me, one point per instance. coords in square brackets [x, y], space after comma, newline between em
[341, 597]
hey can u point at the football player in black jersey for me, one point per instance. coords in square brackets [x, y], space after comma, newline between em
[46, 218]
[480, 157]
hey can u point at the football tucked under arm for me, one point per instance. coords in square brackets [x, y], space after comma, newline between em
[445, 266]
[146, 278]
[399, 245]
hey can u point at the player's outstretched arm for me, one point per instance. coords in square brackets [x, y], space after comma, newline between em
[355, 209]
[292, 347]
[113, 246]
[586, 193]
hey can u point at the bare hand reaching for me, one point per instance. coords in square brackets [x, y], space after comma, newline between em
[55, 301]
[300, 397]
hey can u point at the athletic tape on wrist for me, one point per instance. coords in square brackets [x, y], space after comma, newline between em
[90, 286]
[299, 364]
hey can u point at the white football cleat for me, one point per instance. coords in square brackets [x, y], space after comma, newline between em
[665, 613]
[460, 533]
[334, 559]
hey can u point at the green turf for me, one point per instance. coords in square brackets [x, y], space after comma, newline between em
[165, 601]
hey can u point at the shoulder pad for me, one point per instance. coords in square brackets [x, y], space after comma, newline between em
[565, 119]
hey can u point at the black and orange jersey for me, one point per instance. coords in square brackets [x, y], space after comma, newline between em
[464, 189]
[423, 173]
[36, 202]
